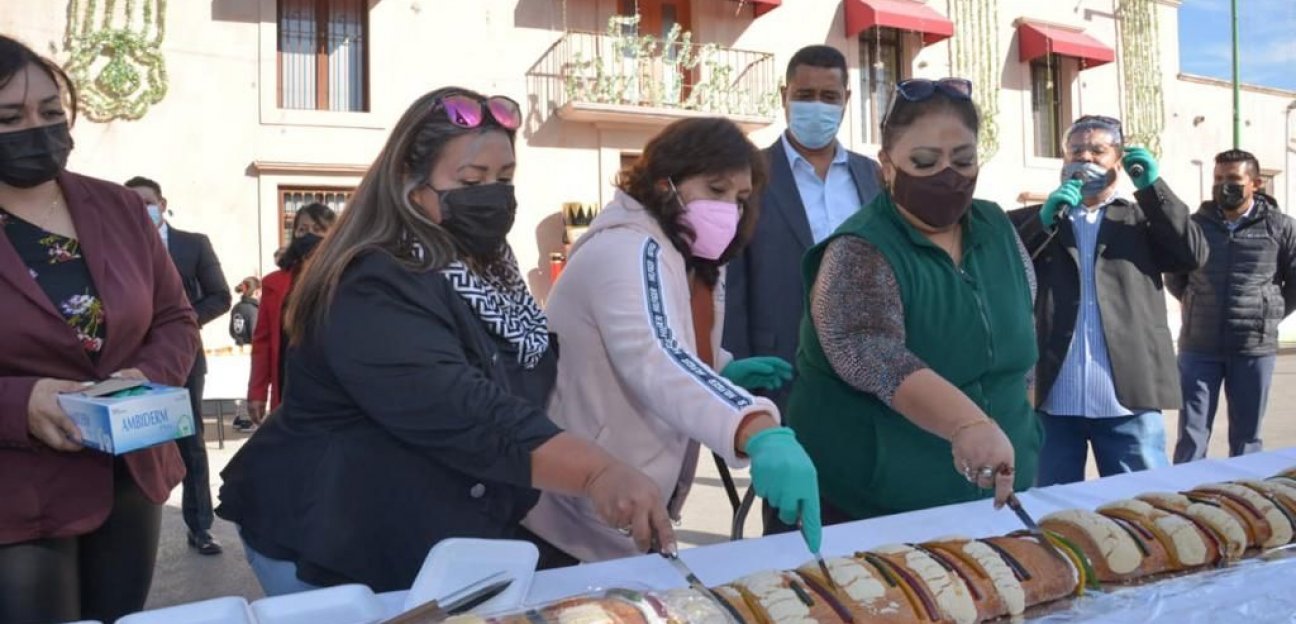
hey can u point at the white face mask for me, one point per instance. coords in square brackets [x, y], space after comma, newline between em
[155, 214]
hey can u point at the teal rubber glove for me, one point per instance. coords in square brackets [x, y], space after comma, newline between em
[758, 373]
[782, 474]
[1065, 196]
[1150, 171]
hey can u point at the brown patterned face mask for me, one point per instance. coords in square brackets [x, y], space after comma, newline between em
[938, 200]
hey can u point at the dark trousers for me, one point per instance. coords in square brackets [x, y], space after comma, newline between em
[196, 503]
[1246, 385]
[102, 575]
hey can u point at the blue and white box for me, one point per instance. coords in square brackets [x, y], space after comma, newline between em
[150, 414]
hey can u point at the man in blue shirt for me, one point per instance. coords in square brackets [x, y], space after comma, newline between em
[815, 184]
[1107, 366]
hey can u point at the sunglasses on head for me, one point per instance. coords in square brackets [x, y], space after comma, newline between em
[1099, 121]
[470, 112]
[919, 89]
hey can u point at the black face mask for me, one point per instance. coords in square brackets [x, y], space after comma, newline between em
[479, 217]
[938, 200]
[34, 156]
[298, 250]
[1229, 195]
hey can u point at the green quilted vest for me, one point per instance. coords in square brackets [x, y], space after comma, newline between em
[973, 325]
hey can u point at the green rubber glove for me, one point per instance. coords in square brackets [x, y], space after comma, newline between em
[1065, 196]
[1145, 160]
[758, 373]
[782, 474]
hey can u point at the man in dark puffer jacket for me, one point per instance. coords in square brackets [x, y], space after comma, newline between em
[1232, 307]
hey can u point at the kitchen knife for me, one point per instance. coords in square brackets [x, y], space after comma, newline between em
[696, 583]
[823, 566]
[455, 602]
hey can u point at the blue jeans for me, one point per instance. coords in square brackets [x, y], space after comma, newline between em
[276, 576]
[1120, 444]
[1246, 385]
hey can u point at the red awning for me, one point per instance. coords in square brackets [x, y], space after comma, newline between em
[759, 7]
[1036, 40]
[765, 6]
[862, 15]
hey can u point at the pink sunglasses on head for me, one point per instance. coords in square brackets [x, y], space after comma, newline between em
[469, 112]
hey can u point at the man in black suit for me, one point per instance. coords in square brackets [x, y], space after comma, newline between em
[815, 184]
[205, 286]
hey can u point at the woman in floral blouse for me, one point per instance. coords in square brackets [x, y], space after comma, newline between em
[88, 293]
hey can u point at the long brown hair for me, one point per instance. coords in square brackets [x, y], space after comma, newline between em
[687, 148]
[380, 216]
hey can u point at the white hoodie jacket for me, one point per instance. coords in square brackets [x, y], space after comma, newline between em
[629, 377]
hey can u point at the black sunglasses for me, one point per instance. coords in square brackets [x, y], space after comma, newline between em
[919, 89]
[469, 112]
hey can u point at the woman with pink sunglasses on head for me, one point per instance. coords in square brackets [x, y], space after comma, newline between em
[418, 368]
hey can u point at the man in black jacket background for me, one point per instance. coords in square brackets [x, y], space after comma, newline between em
[1232, 307]
[205, 287]
[1107, 362]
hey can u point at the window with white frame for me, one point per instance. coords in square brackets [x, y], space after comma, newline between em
[323, 55]
[294, 198]
[882, 65]
[1047, 97]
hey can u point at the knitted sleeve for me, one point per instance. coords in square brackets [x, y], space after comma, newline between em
[856, 309]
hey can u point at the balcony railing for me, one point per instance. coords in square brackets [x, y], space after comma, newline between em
[623, 77]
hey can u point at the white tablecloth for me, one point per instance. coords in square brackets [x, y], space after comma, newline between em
[722, 563]
[1245, 589]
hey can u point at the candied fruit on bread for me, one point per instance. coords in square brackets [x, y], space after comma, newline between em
[1224, 527]
[1111, 549]
[1270, 526]
[1185, 544]
[869, 595]
[994, 587]
[594, 611]
[1045, 574]
[942, 592]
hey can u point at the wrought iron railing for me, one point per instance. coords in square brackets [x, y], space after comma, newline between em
[619, 67]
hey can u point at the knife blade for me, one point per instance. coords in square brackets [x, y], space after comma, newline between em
[696, 584]
[823, 566]
[457, 601]
[1015, 504]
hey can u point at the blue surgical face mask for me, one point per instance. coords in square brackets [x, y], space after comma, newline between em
[1096, 178]
[155, 214]
[814, 124]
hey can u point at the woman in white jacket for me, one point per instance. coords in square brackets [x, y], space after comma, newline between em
[639, 314]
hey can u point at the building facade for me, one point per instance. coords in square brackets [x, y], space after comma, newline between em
[263, 105]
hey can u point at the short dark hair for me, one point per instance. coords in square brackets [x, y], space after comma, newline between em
[139, 181]
[905, 114]
[15, 57]
[688, 148]
[317, 212]
[1228, 157]
[824, 56]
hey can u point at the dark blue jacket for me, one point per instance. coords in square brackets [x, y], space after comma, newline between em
[1232, 306]
[764, 287]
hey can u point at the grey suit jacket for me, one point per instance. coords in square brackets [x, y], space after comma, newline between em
[765, 291]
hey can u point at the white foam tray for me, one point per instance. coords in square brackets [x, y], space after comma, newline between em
[456, 562]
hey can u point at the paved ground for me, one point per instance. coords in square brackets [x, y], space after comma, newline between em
[184, 576]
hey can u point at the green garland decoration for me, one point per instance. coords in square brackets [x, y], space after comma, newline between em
[1144, 106]
[116, 61]
[975, 55]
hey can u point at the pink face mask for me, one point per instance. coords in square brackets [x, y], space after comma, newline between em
[714, 224]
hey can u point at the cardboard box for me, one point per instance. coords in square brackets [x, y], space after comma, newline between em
[120, 416]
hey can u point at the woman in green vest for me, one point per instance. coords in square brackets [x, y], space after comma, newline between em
[919, 332]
